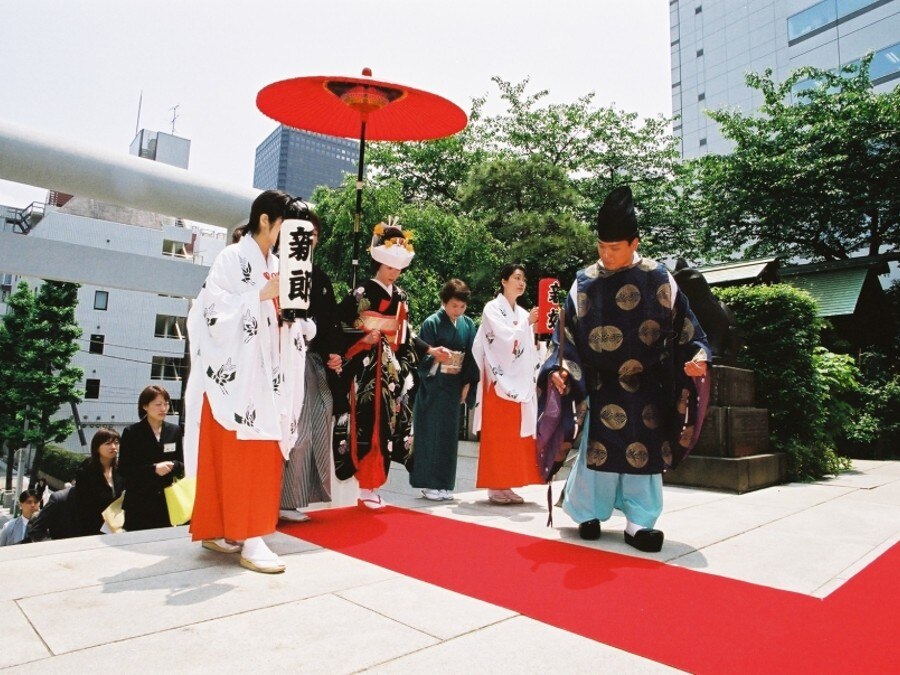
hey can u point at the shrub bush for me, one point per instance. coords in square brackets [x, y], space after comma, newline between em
[60, 463]
[781, 330]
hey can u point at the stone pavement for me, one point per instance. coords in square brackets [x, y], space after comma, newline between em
[153, 601]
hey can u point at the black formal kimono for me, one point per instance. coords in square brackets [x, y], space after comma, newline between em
[139, 452]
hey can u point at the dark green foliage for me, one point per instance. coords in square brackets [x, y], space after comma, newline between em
[60, 463]
[813, 173]
[782, 334]
[37, 342]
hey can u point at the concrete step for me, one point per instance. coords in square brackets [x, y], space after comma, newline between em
[734, 474]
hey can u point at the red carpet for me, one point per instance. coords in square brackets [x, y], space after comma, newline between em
[690, 620]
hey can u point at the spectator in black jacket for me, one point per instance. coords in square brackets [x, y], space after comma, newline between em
[97, 484]
[151, 458]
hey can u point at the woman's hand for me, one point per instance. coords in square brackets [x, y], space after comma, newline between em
[270, 290]
[164, 468]
[695, 368]
[372, 337]
[440, 354]
[533, 316]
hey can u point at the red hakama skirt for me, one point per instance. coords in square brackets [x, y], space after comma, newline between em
[505, 459]
[238, 484]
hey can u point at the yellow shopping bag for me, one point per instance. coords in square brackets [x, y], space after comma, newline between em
[180, 499]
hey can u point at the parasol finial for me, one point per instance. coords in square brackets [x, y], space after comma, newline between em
[367, 72]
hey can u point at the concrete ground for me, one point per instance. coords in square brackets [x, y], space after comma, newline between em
[153, 601]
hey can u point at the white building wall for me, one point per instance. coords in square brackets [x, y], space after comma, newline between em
[128, 324]
[713, 49]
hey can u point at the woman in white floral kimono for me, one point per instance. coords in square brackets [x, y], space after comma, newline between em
[506, 411]
[244, 393]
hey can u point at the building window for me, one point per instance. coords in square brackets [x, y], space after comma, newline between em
[699, 52]
[825, 15]
[885, 64]
[96, 344]
[702, 142]
[175, 249]
[175, 407]
[174, 327]
[166, 368]
[701, 97]
[101, 300]
[92, 389]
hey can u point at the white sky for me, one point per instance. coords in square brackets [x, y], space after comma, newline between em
[77, 69]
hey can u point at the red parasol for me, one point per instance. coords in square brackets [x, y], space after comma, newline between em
[360, 107]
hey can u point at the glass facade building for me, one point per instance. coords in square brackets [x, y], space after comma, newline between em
[299, 161]
[716, 42]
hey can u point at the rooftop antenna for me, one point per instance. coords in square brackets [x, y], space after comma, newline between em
[174, 110]
[137, 123]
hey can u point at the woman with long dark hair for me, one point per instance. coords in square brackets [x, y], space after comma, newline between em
[150, 458]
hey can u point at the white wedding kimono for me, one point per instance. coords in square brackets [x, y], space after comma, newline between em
[251, 372]
[505, 352]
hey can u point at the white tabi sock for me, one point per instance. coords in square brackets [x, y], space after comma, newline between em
[630, 528]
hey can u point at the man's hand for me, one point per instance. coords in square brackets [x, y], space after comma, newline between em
[163, 468]
[558, 379]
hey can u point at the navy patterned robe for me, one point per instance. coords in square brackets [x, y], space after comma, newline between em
[625, 346]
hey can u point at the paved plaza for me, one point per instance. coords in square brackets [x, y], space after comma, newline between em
[153, 602]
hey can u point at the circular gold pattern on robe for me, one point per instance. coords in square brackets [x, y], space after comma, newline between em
[637, 455]
[628, 297]
[613, 416]
[649, 332]
[629, 373]
[597, 454]
[650, 415]
[573, 368]
[584, 304]
[605, 338]
[648, 265]
[664, 295]
[687, 333]
[666, 450]
[686, 435]
[592, 271]
[683, 400]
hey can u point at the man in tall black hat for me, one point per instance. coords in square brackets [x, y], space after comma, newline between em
[635, 357]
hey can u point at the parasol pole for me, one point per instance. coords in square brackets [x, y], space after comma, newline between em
[357, 215]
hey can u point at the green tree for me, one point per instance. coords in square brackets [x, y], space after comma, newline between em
[38, 340]
[15, 350]
[814, 171]
[446, 245]
[566, 158]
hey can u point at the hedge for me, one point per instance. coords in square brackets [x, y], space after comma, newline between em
[781, 333]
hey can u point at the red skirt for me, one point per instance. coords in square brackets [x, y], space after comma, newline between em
[505, 459]
[238, 484]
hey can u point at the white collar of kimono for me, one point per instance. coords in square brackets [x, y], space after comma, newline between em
[250, 250]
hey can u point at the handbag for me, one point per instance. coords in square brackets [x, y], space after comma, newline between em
[180, 499]
[114, 517]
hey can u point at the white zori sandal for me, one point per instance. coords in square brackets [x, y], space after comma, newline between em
[258, 557]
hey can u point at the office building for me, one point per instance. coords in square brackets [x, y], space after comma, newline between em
[716, 42]
[130, 339]
[299, 161]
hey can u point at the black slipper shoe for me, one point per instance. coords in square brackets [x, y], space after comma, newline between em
[589, 530]
[648, 541]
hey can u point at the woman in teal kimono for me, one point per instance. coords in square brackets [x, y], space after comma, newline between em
[445, 381]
